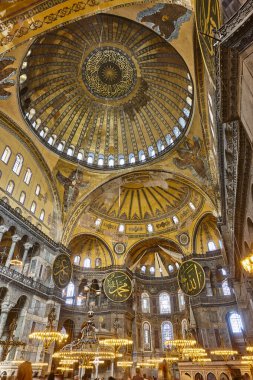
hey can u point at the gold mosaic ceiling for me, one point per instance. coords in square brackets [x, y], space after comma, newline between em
[106, 91]
[139, 199]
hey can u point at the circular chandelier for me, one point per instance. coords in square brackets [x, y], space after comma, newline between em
[249, 348]
[125, 364]
[180, 344]
[224, 353]
[49, 335]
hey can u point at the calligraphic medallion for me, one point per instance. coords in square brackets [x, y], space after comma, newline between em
[62, 271]
[191, 278]
[118, 286]
[108, 72]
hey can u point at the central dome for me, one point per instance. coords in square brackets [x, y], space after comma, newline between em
[109, 73]
[106, 92]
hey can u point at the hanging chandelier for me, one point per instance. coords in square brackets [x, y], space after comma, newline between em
[225, 353]
[49, 335]
[125, 364]
[180, 344]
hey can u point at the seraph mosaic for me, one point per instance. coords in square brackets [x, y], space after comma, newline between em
[165, 19]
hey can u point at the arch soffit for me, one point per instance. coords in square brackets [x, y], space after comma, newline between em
[53, 15]
[92, 235]
[9, 125]
[196, 226]
[76, 212]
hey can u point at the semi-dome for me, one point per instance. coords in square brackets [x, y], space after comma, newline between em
[106, 92]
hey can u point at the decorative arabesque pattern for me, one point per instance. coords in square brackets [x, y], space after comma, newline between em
[106, 91]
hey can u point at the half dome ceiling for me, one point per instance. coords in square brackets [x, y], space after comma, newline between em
[106, 91]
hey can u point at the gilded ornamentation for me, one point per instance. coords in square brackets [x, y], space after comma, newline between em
[113, 102]
[118, 286]
[62, 271]
[109, 73]
[71, 185]
[5, 76]
[191, 157]
[191, 278]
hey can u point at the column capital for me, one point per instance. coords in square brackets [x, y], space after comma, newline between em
[27, 245]
[15, 238]
[3, 229]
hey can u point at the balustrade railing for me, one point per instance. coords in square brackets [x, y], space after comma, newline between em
[212, 300]
[13, 275]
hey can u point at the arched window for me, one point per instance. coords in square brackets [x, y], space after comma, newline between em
[131, 158]
[175, 219]
[182, 122]
[22, 78]
[101, 160]
[22, 197]
[111, 161]
[189, 101]
[181, 300]
[42, 215]
[176, 131]
[186, 112]
[190, 89]
[43, 132]
[28, 176]
[10, 187]
[60, 146]
[37, 190]
[121, 159]
[142, 156]
[70, 151]
[80, 155]
[98, 262]
[70, 292]
[184, 328]
[235, 323]
[151, 151]
[121, 228]
[169, 139]
[146, 336]
[18, 164]
[98, 222]
[50, 140]
[6, 155]
[33, 207]
[77, 260]
[171, 268]
[87, 262]
[167, 332]
[145, 303]
[225, 288]
[211, 246]
[150, 228]
[164, 303]
[160, 146]
[192, 206]
[152, 270]
[90, 158]
[143, 269]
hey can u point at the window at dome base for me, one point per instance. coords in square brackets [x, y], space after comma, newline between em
[116, 120]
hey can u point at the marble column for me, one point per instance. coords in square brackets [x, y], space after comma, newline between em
[3, 229]
[3, 317]
[15, 239]
[27, 246]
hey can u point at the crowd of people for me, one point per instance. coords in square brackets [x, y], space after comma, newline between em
[25, 373]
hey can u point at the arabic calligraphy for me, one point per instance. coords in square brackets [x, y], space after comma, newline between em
[191, 278]
[118, 286]
[62, 271]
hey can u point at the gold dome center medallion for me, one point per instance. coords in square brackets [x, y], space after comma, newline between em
[108, 72]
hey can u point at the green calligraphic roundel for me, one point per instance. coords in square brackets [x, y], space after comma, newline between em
[191, 278]
[118, 286]
[62, 271]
